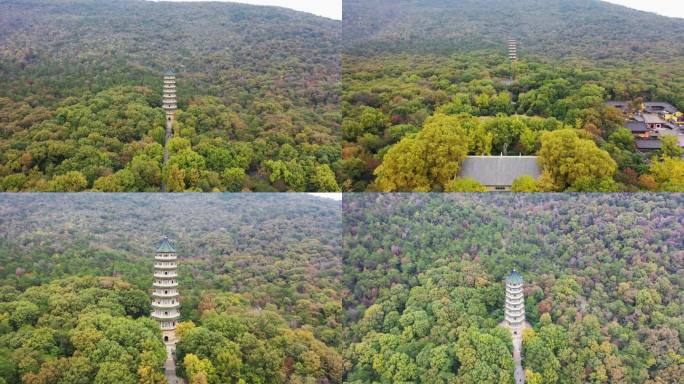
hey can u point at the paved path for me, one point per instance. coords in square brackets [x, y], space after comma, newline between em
[170, 366]
[169, 135]
[517, 358]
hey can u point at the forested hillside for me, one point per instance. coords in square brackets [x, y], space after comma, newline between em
[408, 64]
[270, 262]
[553, 28]
[80, 91]
[603, 287]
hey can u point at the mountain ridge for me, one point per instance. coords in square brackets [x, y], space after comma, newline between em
[589, 28]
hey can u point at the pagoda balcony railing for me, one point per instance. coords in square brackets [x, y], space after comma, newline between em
[163, 275]
[166, 259]
[515, 319]
[514, 313]
[165, 284]
[514, 292]
[165, 256]
[166, 280]
[165, 265]
[166, 305]
[514, 307]
[170, 316]
[172, 293]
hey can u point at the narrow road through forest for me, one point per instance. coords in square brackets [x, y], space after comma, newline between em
[517, 359]
[170, 366]
[169, 134]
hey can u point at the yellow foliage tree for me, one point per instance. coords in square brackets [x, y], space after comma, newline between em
[427, 161]
[566, 158]
[669, 174]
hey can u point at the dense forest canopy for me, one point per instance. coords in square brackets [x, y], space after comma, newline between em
[268, 261]
[603, 287]
[407, 63]
[257, 91]
[79, 330]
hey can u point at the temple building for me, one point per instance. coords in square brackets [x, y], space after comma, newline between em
[497, 173]
[165, 304]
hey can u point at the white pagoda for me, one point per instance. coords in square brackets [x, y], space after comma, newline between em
[169, 98]
[165, 304]
[514, 320]
[513, 50]
[514, 310]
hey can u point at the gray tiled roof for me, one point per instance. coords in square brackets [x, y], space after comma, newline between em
[649, 105]
[617, 104]
[650, 118]
[667, 107]
[636, 126]
[648, 144]
[499, 170]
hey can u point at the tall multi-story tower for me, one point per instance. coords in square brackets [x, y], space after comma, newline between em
[169, 99]
[514, 310]
[169, 106]
[513, 50]
[514, 320]
[165, 304]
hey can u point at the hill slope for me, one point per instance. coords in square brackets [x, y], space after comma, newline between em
[276, 249]
[557, 28]
[603, 286]
[246, 74]
[408, 62]
[259, 283]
